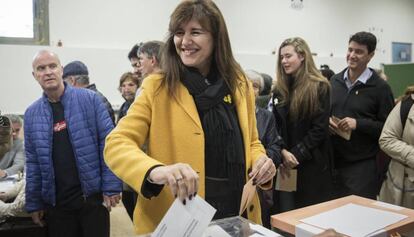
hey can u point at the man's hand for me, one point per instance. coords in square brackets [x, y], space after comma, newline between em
[111, 201]
[37, 218]
[181, 178]
[347, 124]
[332, 126]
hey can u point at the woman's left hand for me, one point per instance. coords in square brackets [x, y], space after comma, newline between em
[265, 170]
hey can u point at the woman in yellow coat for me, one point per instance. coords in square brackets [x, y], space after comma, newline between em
[197, 121]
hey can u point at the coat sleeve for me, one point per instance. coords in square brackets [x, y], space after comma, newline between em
[18, 161]
[317, 133]
[272, 141]
[256, 148]
[123, 148]
[385, 104]
[391, 141]
[111, 185]
[33, 174]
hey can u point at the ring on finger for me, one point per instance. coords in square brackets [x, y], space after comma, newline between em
[269, 172]
[178, 179]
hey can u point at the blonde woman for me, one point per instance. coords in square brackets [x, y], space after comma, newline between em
[301, 107]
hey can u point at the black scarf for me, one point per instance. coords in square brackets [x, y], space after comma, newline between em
[216, 118]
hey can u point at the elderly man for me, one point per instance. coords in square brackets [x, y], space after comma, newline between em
[13, 161]
[68, 184]
[76, 74]
[149, 57]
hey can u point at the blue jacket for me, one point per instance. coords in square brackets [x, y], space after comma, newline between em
[88, 124]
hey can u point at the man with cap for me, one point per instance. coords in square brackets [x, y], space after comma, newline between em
[76, 74]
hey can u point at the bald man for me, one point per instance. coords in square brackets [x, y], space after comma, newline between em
[68, 184]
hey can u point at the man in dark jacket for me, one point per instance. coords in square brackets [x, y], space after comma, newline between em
[361, 101]
[68, 184]
[76, 74]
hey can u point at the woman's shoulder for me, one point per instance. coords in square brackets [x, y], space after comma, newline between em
[152, 81]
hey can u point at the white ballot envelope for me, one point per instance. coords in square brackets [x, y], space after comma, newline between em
[188, 220]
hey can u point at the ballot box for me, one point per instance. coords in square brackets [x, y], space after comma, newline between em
[293, 221]
[236, 226]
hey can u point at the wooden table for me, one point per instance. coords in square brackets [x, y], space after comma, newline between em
[288, 220]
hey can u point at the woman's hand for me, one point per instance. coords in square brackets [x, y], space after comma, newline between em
[289, 160]
[265, 170]
[181, 178]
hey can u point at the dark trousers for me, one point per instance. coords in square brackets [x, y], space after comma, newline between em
[357, 178]
[21, 227]
[90, 220]
[266, 204]
[129, 199]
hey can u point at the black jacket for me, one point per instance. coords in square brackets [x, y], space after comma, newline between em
[268, 135]
[108, 105]
[308, 140]
[370, 105]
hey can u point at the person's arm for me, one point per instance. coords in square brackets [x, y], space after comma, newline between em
[111, 185]
[391, 141]
[18, 160]
[17, 206]
[272, 141]
[123, 153]
[317, 133]
[261, 164]
[11, 193]
[384, 105]
[33, 173]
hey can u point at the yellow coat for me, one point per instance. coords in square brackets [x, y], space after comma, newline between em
[172, 130]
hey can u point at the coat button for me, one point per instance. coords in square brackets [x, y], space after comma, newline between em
[251, 208]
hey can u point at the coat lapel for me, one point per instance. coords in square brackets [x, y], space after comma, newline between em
[186, 102]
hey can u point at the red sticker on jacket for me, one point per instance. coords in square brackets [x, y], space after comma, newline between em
[59, 126]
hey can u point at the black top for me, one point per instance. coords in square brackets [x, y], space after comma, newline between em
[123, 110]
[370, 105]
[108, 105]
[307, 138]
[268, 135]
[68, 186]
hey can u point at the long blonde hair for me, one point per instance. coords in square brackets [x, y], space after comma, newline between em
[304, 96]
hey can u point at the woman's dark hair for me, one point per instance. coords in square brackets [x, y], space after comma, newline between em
[128, 76]
[267, 87]
[210, 18]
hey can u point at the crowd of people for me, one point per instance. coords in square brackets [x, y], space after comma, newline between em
[195, 123]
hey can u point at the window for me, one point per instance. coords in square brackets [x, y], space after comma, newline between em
[24, 22]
